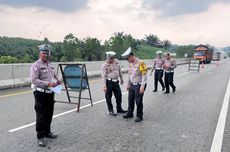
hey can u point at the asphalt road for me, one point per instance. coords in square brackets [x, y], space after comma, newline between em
[184, 121]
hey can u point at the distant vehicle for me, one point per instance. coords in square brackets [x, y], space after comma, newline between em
[225, 57]
[203, 53]
[216, 56]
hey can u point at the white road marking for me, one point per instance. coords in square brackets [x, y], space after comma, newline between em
[58, 115]
[219, 133]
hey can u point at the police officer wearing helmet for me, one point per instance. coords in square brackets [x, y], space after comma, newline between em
[43, 76]
[158, 74]
[111, 72]
[169, 66]
[136, 85]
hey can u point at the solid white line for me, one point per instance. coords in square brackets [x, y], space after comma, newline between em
[57, 115]
[219, 133]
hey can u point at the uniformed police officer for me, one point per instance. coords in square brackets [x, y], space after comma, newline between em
[136, 84]
[169, 66]
[43, 76]
[111, 72]
[158, 74]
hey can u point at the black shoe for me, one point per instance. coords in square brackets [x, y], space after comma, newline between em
[138, 119]
[51, 135]
[174, 89]
[163, 89]
[128, 116]
[112, 113]
[42, 142]
[166, 92]
[121, 111]
[154, 90]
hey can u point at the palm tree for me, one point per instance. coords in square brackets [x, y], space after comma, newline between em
[152, 40]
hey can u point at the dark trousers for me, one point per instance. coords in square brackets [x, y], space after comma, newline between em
[158, 75]
[44, 107]
[113, 87]
[135, 96]
[169, 81]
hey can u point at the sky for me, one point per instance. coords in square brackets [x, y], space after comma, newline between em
[182, 22]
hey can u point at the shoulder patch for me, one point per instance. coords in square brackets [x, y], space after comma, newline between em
[143, 68]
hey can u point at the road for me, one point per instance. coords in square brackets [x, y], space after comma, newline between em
[184, 121]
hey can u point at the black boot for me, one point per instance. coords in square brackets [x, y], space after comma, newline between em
[121, 111]
[42, 142]
[51, 135]
[112, 113]
[138, 119]
[128, 115]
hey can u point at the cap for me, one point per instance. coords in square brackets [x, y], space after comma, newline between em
[159, 52]
[110, 54]
[44, 47]
[127, 53]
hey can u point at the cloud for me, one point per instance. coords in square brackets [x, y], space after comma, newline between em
[102, 18]
[179, 7]
[58, 5]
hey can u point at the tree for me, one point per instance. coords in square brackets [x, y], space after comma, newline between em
[152, 40]
[166, 44]
[120, 42]
[92, 49]
[70, 47]
[8, 59]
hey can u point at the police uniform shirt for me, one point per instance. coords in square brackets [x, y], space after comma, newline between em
[158, 63]
[112, 71]
[41, 74]
[171, 63]
[137, 73]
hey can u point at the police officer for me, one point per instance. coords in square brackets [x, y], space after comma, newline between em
[136, 84]
[43, 76]
[158, 74]
[169, 66]
[111, 72]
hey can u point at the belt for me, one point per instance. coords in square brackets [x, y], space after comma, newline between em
[44, 90]
[169, 71]
[114, 80]
[136, 83]
[159, 68]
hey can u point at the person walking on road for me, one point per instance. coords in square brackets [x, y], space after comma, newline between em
[169, 66]
[111, 72]
[43, 76]
[158, 74]
[136, 85]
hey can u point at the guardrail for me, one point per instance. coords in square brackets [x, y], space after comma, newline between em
[17, 75]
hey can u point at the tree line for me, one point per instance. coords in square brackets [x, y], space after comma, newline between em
[20, 50]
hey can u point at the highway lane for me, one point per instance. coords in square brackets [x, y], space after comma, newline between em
[184, 121]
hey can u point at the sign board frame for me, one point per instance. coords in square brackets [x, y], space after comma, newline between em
[82, 77]
[194, 65]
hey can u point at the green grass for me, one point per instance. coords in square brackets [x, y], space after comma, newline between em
[146, 51]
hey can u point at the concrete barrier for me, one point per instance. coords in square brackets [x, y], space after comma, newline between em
[17, 75]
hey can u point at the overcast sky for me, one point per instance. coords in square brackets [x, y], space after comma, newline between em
[180, 21]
